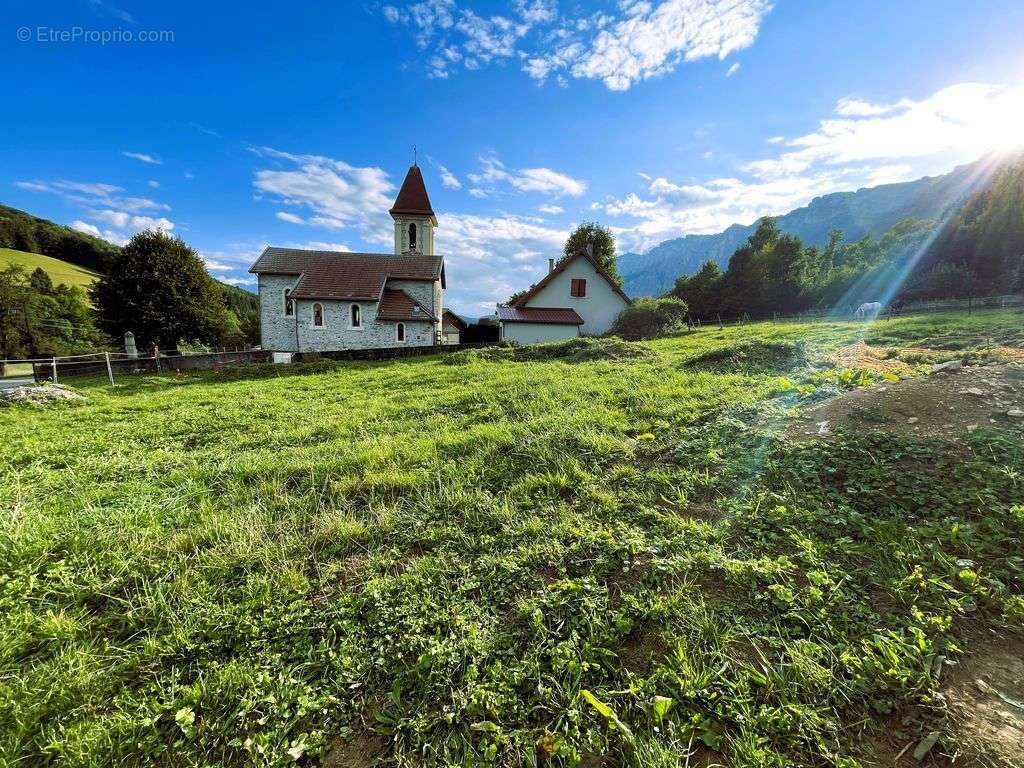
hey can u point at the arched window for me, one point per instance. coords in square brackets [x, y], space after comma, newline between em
[318, 315]
[400, 331]
[357, 318]
[412, 237]
[289, 305]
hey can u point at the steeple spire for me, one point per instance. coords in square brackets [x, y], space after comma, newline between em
[412, 198]
[413, 215]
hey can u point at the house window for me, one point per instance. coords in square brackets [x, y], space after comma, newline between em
[578, 288]
[400, 331]
[289, 305]
[412, 237]
[318, 315]
[357, 316]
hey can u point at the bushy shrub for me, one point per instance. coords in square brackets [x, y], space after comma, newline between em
[648, 318]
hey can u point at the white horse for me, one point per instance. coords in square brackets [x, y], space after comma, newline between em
[868, 309]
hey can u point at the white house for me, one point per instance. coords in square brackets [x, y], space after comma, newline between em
[452, 327]
[326, 301]
[576, 297]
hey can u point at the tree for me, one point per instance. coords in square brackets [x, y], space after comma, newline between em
[158, 288]
[602, 243]
[647, 318]
[700, 291]
[41, 281]
[36, 317]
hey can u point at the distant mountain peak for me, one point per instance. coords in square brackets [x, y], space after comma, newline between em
[859, 213]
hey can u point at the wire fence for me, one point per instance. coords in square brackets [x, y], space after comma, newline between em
[1008, 301]
[55, 368]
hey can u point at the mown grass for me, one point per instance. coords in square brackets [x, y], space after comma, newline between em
[497, 561]
[59, 271]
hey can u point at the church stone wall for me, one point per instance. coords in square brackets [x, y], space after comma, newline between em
[277, 332]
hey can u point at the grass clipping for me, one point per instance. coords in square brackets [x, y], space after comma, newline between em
[581, 349]
[752, 357]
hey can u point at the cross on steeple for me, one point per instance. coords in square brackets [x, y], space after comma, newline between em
[414, 158]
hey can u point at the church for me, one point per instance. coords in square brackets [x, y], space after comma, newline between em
[329, 301]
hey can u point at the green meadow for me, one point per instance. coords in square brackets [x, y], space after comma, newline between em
[577, 555]
[59, 271]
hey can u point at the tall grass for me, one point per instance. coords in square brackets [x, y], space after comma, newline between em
[433, 561]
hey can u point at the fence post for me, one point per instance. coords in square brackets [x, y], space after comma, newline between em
[110, 373]
[55, 370]
[720, 326]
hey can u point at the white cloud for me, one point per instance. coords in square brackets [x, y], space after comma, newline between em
[216, 266]
[487, 258]
[552, 210]
[153, 184]
[494, 173]
[647, 39]
[134, 223]
[143, 157]
[338, 193]
[733, 69]
[106, 204]
[89, 229]
[291, 218]
[320, 245]
[449, 179]
[651, 40]
[862, 144]
[964, 120]
[93, 194]
[851, 107]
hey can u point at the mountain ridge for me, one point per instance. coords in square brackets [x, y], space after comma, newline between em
[868, 211]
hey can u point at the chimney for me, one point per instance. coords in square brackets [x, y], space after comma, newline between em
[551, 265]
[590, 250]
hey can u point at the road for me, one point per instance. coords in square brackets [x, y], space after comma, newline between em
[19, 382]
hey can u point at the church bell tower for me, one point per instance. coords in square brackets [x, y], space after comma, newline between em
[414, 218]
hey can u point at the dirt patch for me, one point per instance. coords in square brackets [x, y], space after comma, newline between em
[642, 649]
[944, 404]
[348, 577]
[985, 693]
[875, 359]
[363, 750]
[38, 395]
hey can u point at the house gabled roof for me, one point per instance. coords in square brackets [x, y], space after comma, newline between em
[345, 276]
[560, 267]
[455, 319]
[412, 198]
[396, 304]
[542, 315]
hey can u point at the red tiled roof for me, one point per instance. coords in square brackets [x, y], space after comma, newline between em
[412, 197]
[398, 305]
[560, 267]
[546, 315]
[343, 275]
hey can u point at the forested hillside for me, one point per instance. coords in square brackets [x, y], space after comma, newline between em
[43, 306]
[867, 212]
[24, 232]
[978, 252]
[981, 249]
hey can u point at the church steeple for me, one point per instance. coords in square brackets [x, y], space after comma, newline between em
[413, 215]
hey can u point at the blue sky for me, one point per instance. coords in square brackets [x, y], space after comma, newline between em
[243, 125]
